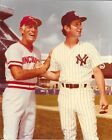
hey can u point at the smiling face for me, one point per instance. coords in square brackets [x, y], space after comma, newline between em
[29, 33]
[74, 29]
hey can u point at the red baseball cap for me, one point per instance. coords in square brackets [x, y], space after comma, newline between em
[29, 20]
[69, 17]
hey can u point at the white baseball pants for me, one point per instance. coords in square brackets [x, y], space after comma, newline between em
[80, 101]
[18, 114]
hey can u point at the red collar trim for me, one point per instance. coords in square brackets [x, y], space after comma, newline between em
[30, 49]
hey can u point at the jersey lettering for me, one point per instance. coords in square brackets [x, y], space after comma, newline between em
[81, 60]
[29, 59]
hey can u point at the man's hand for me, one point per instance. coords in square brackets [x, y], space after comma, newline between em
[103, 104]
[42, 69]
[52, 75]
[37, 64]
[50, 53]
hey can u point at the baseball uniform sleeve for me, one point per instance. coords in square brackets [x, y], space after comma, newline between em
[38, 53]
[94, 56]
[13, 56]
[54, 66]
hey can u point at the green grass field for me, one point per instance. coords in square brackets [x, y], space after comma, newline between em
[51, 100]
[48, 123]
[48, 127]
[48, 100]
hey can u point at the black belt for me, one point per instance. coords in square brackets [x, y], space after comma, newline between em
[74, 85]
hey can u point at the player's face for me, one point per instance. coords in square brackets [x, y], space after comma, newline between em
[30, 33]
[75, 28]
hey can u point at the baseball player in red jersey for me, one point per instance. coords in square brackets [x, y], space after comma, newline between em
[73, 63]
[21, 76]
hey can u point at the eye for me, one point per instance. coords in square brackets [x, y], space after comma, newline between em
[77, 24]
[32, 26]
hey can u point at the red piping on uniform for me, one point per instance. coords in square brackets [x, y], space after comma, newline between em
[21, 87]
[21, 83]
[14, 62]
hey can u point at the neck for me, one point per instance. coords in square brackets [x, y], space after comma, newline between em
[28, 45]
[71, 42]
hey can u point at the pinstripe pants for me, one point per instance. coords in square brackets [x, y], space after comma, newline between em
[80, 102]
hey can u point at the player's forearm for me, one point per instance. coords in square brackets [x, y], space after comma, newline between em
[51, 75]
[99, 80]
[24, 74]
[101, 85]
[47, 62]
[27, 74]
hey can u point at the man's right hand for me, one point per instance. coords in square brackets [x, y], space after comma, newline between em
[37, 64]
[42, 69]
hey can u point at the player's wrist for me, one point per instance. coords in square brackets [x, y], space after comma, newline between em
[43, 69]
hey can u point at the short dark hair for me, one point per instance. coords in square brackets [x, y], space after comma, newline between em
[64, 32]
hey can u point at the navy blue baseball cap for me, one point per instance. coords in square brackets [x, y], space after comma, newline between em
[70, 16]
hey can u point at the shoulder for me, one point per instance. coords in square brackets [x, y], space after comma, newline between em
[59, 47]
[87, 44]
[57, 50]
[14, 48]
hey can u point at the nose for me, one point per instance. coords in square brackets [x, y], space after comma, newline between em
[33, 28]
[80, 26]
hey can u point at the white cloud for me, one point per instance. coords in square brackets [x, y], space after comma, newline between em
[51, 40]
[52, 20]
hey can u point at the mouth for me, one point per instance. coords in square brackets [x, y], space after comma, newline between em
[79, 31]
[31, 35]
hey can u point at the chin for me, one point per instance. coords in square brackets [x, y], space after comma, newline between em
[31, 39]
[79, 35]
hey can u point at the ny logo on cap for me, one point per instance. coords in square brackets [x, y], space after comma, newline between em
[81, 60]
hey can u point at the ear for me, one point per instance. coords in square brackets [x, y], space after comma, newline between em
[22, 29]
[66, 28]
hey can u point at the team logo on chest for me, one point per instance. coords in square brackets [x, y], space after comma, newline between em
[81, 59]
[29, 59]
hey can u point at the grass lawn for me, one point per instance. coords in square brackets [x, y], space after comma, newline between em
[52, 119]
[48, 127]
[48, 122]
[48, 100]
[51, 100]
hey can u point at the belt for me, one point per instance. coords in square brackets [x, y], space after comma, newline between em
[74, 85]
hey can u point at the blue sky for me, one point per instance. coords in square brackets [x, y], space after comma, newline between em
[97, 29]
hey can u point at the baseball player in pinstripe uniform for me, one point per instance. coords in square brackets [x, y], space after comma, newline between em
[73, 63]
[21, 76]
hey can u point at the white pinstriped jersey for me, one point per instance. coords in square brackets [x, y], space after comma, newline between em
[17, 54]
[75, 64]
